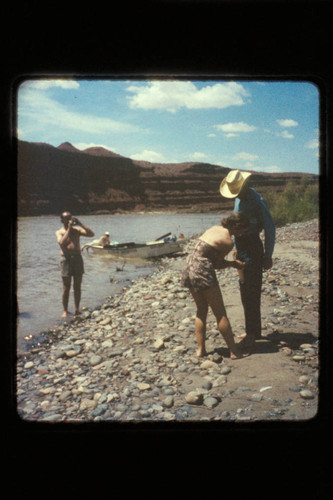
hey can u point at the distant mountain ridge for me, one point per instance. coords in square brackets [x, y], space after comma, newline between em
[96, 180]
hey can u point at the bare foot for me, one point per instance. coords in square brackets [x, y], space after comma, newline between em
[77, 312]
[64, 314]
[238, 355]
[241, 336]
[201, 353]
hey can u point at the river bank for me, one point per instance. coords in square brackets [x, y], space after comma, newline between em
[134, 358]
[38, 275]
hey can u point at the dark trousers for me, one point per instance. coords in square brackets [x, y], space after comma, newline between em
[250, 250]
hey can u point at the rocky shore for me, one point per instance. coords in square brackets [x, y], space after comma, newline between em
[134, 358]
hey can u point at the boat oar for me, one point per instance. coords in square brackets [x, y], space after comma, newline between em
[164, 236]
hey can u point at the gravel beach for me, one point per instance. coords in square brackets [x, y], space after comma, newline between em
[134, 358]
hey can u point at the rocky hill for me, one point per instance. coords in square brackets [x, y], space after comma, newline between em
[53, 179]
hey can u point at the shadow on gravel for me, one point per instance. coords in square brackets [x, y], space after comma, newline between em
[293, 339]
[259, 347]
[270, 343]
[264, 346]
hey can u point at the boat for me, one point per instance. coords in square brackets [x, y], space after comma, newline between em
[148, 250]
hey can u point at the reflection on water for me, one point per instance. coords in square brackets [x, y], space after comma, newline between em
[39, 283]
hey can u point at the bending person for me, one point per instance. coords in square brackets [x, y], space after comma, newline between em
[200, 277]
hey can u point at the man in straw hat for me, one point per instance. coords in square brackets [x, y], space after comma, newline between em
[249, 247]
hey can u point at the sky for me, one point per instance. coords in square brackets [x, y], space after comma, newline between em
[263, 126]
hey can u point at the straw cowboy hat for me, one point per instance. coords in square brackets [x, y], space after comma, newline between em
[232, 184]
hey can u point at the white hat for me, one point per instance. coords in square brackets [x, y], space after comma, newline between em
[232, 184]
[108, 234]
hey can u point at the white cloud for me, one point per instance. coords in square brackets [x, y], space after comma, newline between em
[19, 133]
[211, 135]
[269, 170]
[147, 155]
[288, 122]
[219, 162]
[85, 145]
[47, 83]
[245, 156]
[273, 169]
[198, 156]
[37, 110]
[286, 135]
[233, 128]
[313, 144]
[173, 95]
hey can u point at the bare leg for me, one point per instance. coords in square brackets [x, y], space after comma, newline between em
[200, 321]
[66, 281]
[77, 293]
[241, 275]
[215, 300]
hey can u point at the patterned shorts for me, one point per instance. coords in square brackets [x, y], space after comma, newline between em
[199, 273]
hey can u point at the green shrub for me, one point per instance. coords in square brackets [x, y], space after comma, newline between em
[296, 203]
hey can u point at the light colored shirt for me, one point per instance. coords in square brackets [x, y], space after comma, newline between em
[255, 207]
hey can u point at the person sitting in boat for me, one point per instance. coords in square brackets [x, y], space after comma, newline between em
[103, 241]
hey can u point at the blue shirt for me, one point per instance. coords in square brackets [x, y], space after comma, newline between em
[254, 206]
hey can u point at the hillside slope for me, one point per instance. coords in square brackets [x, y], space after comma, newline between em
[52, 179]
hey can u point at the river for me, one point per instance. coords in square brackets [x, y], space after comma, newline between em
[39, 284]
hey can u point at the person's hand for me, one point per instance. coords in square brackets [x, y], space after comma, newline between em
[267, 262]
[77, 222]
[239, 264]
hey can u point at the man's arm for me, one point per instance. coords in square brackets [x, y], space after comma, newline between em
[269, 229]
[86, 230]
[62, 237]
[223, 264]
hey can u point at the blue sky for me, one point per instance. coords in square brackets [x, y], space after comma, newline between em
[264, 126]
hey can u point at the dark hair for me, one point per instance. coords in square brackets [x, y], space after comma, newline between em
[236, 220]
[65, 215]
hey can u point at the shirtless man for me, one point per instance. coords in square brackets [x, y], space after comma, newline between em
[68, 238]
[200, 277]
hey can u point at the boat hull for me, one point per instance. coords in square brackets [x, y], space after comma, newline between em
[141, 251]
